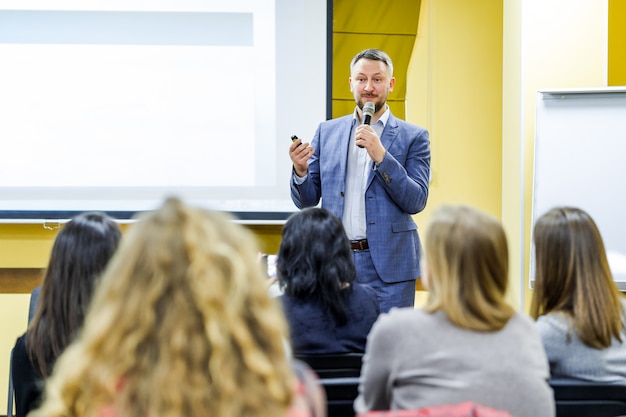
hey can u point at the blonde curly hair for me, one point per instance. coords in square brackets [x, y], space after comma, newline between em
[181, 325]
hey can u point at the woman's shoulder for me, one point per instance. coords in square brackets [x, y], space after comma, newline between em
[409, 317]
[19, 349]
[406, 326]
[521, 325]
[20, 342]
[555, 321]
[521, 319]
[554, 330]
[21, 364]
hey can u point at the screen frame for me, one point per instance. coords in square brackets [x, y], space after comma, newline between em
[249, 217]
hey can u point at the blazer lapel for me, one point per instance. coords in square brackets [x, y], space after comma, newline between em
[342, 141]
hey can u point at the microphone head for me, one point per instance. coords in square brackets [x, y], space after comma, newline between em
[368, 109]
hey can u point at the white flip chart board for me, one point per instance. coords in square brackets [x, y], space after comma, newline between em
[580, 160]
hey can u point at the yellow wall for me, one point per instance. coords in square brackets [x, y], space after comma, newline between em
[455, 91]
[25, 245]
[387, 25]
[512, 134]
[617, 43]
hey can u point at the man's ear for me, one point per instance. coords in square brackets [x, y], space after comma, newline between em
[392, 82]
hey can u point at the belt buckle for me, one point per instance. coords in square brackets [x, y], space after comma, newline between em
[359, 245]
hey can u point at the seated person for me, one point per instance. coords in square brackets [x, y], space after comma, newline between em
[180, 325]
[467, 344]
[578, 307]
[79, 254]
[327, 311]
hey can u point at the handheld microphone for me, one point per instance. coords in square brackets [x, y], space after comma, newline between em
[368, 112]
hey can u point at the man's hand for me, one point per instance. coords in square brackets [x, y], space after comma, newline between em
[366, 137]
[300, 153]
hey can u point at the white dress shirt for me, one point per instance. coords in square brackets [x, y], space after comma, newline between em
[358, 171]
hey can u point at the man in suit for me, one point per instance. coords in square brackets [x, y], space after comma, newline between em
[372, 176]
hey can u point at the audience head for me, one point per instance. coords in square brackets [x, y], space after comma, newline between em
[572, 275]
[314, 259]
[466, 268]
[80, 253]
[182, 324]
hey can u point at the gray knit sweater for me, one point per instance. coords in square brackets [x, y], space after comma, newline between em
[415, 359]
[573, 360]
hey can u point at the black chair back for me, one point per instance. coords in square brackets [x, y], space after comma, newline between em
[340, 395]
[588, 399]
[339, 375]
[334, 365]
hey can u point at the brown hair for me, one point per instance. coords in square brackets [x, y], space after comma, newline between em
[572, 276]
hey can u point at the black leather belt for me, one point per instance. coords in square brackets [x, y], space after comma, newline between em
[359, 244]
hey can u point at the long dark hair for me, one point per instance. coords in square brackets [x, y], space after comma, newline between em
[572, 276]
[80, 253]
[315, 260]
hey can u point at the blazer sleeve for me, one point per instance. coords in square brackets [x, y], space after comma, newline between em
[309, 192]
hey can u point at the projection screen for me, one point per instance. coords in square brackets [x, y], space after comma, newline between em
[114, 105]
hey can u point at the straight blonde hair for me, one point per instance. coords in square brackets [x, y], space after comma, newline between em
[467, 267]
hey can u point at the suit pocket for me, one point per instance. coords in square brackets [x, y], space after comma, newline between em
[403, 226]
